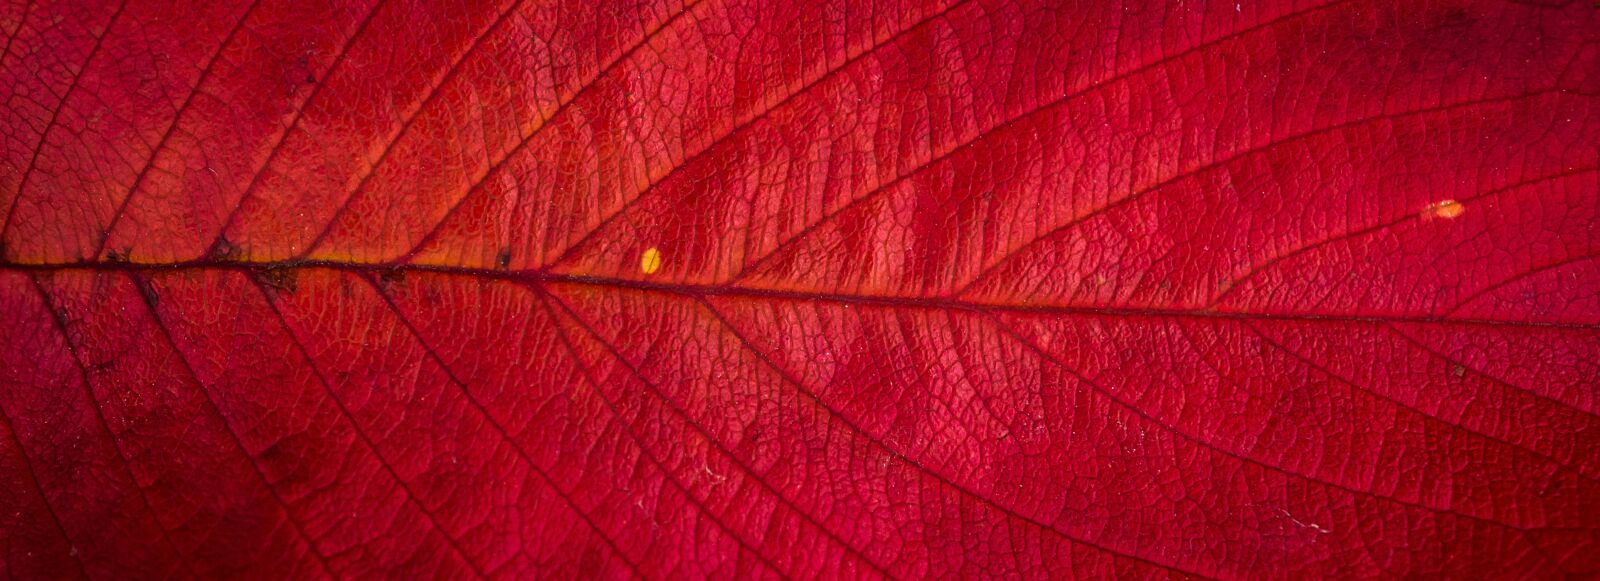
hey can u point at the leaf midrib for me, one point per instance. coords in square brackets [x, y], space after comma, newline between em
[941, 303]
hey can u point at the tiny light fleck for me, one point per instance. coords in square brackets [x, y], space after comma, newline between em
[1446, 209]
[650, 261]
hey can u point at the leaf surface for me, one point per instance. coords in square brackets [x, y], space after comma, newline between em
[730, 288]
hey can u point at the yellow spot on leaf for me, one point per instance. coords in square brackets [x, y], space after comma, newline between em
[650, 261]
[1446, 209]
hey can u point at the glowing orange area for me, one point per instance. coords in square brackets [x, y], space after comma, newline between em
[1447, 209]
[650, 261]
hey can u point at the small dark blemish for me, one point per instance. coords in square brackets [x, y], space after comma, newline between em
[272, 452]
[393, 275]
[278, 278]
[147, 291]
[304, 63]
[503, 258]
[224, 251]
[1458, 370]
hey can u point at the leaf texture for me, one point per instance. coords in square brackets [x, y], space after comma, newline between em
[744, 288]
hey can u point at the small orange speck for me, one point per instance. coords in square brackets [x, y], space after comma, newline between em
[1446, 209]
[650, 261]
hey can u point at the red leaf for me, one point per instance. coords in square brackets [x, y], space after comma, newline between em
[782, 289]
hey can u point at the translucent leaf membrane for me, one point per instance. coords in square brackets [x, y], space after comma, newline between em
[754, 289]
